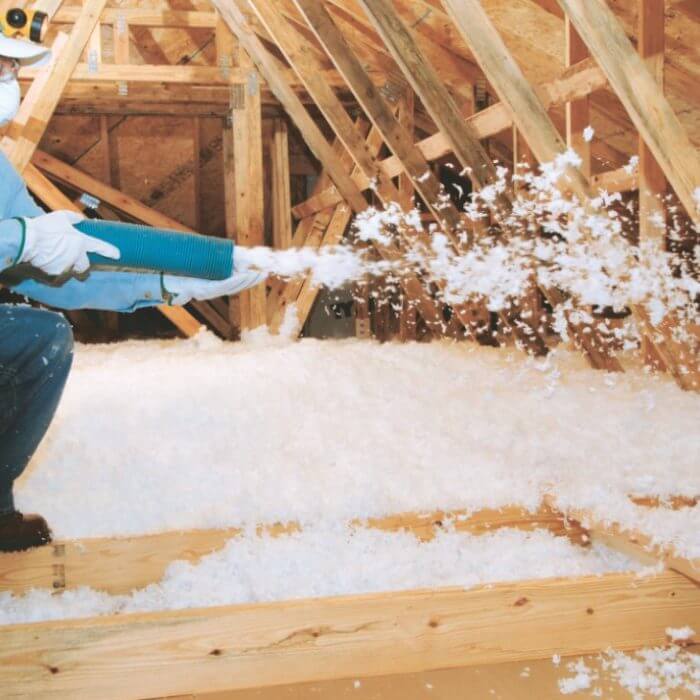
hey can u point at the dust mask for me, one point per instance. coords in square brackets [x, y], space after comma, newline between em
[10, 97]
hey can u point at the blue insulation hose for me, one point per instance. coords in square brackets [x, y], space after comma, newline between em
[161, 250]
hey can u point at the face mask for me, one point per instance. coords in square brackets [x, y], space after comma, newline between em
[10, 97]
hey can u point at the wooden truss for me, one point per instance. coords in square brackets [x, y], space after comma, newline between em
[410, 71]
[335, 51]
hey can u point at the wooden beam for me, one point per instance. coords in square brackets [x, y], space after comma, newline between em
[652, 182]
[143, 560]
[641, 96]
[429, 87]
[145, 17]
[633, 543]
[249, 179]
[196, 174]
[578, 112]
[573, 83]
[281, 189]
[314, 231]
[318, 144]
[20, 147]
[226, 47]
[128, 657]
[273, 72]
[532, 120]
[474, 317]
[108, 73]
[307, 66]
[624, 179]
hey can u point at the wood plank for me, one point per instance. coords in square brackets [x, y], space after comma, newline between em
[532, 119]
[308, 68]
[641, 96]
[226, 47]
[270, 68]
[433, 94]
[205, 650]
[317, 142]
[196, 174]
[652, 182]
[517, 680]
[634, 543]
[623, 179]
[249, 183]
[143, 560]
[573, 83]
[145, 17]
[578, 112]
[21, 148]
[281, 186]
[400, 141]
[309, 232]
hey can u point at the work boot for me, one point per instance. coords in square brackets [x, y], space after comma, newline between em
[19, 532]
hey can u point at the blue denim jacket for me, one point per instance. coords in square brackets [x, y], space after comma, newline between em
[111, 291]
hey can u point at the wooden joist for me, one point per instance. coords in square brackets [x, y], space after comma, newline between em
[143, 560]
[130, 657]
[633, 543]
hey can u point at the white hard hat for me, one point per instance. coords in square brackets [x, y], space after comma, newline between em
[26, 52]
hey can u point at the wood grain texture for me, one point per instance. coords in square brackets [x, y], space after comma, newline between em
[531, 118]
[120, 565]
[195, 651]
[54, 79]
[574, 83]
[641, 95]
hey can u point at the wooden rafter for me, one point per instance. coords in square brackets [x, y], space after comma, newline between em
[20, 146]
[269, 68]
[532, 119]
[573, 83]
[641, 95]
[412, 162]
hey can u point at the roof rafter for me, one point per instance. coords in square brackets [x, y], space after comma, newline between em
[531, 118]
[269, 68]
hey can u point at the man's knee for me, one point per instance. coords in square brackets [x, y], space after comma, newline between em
[56, 337]
[43, 333]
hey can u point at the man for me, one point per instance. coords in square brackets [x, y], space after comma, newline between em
[36, 345]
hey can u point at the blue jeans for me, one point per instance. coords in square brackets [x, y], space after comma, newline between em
[36, 351]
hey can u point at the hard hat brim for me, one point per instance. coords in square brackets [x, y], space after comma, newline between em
[27, 53]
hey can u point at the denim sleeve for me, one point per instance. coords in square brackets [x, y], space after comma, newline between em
[104, 290]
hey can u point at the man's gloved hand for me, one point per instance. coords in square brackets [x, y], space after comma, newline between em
[184, 289]
[53, 245]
